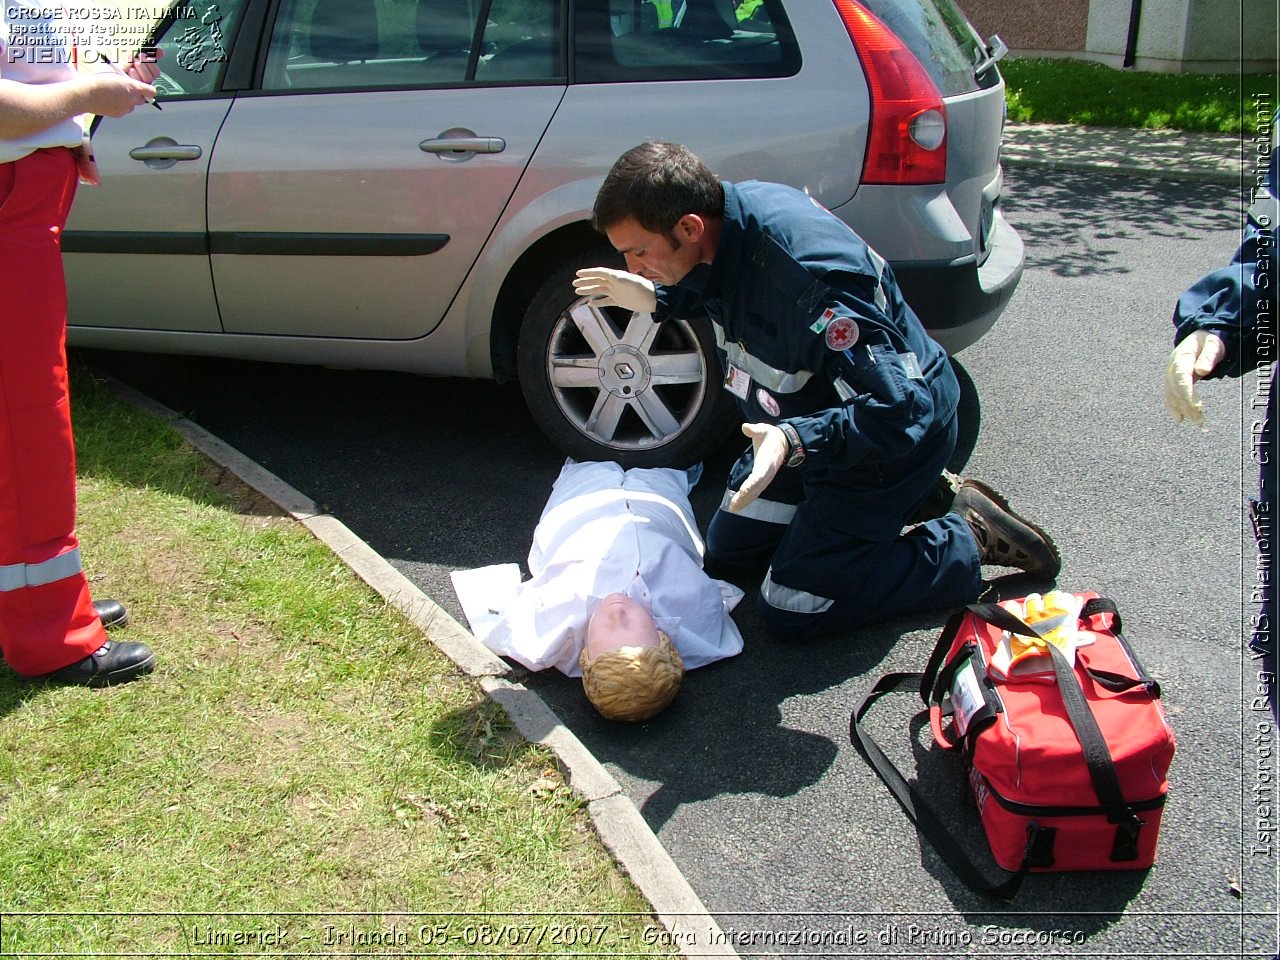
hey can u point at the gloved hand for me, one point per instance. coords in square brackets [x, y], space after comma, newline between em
[771, 451]
[616, 288]
[1192, 359]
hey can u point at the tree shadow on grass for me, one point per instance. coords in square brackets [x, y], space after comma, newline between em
[16, 692]
[479, 735]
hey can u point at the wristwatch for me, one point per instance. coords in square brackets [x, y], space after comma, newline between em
[796, 456]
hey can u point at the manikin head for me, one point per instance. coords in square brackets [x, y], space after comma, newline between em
[630, 668]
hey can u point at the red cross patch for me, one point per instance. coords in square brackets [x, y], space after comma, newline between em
[842, 333]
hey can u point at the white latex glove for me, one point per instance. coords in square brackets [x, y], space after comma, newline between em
[1192, 359]
[616, 288]
[771, 452]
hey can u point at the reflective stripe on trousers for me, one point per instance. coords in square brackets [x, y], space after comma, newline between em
[15, 576]
[790, 599]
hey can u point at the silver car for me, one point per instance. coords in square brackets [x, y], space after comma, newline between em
[407, 185]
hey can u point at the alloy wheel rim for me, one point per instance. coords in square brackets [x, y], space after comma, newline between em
[622, 380]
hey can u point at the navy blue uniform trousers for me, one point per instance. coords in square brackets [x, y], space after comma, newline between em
[822, 578]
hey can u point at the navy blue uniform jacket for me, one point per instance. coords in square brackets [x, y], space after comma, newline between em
[787, 278]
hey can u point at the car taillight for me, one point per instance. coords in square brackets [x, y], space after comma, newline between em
[908, 139]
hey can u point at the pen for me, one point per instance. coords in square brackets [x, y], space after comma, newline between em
[103, 58]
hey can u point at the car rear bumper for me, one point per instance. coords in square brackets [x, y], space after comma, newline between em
[958, 303]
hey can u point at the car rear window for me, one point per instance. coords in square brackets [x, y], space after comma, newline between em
[628, 40]
[940, 37]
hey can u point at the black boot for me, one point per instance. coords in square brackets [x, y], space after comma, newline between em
[1003, 537]
[111, 663]
[112, 613]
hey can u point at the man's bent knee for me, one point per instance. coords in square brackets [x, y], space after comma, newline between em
[738, 557]
[741, 544]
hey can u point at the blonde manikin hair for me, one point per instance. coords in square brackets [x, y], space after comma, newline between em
[633, 683]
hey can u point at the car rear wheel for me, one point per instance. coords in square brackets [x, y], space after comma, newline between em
[606, 384]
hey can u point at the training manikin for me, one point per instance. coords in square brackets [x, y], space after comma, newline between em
[617, 591]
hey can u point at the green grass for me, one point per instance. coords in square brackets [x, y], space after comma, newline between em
[300, 747]
[1073, 91]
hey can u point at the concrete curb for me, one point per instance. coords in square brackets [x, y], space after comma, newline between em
[618, 823]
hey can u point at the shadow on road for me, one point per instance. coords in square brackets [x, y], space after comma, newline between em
[1075, 239]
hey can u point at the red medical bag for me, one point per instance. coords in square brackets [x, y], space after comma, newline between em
[1067, 765]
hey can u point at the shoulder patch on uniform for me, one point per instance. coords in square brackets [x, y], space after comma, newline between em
[842, 333]
[821, 323]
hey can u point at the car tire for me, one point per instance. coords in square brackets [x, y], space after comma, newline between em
[604, 384]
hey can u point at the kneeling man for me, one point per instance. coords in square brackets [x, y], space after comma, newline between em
[849, 405]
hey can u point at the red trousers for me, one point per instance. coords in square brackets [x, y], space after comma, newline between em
[47, 618]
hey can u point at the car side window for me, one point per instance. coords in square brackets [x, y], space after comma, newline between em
[627, 40]
[522, 41]
[195, 37]
[351, 44]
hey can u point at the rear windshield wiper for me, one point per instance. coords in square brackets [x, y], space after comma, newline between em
[996, 50]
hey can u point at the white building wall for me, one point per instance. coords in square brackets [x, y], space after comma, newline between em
[1199, 36]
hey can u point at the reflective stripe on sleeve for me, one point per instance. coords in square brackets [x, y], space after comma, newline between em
[766, 511]
[790, 599]
[878, 262]
[771, 378]
[16, 576]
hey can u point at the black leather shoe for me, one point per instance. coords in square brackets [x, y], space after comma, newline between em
[113, 662]
[112, 613]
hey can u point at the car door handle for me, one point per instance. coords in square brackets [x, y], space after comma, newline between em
[176, 151]
[463, 145]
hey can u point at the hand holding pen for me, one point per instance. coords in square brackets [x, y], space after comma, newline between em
[142, 71]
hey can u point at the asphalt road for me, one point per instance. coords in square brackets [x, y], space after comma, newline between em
[749, 779]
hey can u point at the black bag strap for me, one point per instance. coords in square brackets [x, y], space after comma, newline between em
[1102, 605]
[998, 616]
[931, 826]
[929, 679]
[1117, 682]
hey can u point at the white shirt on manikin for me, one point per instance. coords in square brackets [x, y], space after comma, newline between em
[605, 530]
